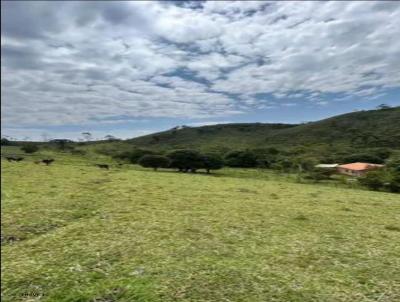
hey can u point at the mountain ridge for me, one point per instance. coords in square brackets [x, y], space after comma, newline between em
[369, 128]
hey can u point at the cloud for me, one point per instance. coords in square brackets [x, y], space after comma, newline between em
[70, 63]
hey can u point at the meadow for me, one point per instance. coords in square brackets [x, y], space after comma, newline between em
[74, 232]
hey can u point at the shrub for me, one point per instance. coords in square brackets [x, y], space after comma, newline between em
[186, 160]
[282, 164]
[154, 161]
[30, 148]
[212, 162]
[301, 164]
[374, 180]
[243, 159]
[319, 174]
[387, 179]
[394, 182]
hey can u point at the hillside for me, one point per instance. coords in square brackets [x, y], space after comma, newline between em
[373, 128]
[211, 137]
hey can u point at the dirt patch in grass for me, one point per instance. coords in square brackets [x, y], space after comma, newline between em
[301, 217]
[392, 228]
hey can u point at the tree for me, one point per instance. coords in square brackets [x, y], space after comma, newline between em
[383, 106]
[136, 154]
[302, 164]
[87, 136]
[243, 159]
[364, 157]
[5, 142]
[133, 155]
[154, 161]
[30, 148]
[186, 160]
[62, 144]
[212, 162]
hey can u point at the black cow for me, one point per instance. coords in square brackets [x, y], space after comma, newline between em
[103, 166]
[47, 161]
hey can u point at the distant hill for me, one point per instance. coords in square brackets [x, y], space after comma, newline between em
[373, 128]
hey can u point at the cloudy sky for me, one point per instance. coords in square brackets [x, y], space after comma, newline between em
[131, 68]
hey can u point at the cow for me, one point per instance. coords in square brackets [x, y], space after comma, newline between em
[47, 161]
[103, 166]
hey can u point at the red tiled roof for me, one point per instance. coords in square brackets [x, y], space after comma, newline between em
[359, 166]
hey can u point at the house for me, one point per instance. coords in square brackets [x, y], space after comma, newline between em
[357, 169]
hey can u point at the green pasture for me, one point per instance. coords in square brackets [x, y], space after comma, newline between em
[74, 232]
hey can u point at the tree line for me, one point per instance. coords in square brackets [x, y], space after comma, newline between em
[272, 158]
[297, 160]
[183, 161]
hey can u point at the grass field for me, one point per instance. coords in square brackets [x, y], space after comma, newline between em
[73, 232]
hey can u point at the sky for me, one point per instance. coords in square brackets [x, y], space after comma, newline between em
[132, 68]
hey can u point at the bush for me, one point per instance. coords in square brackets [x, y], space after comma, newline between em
[386, 179]
[212, 162]
[243, 159]
[302, 164]
[30, 148]
[374, 180]
[154, 161]
[394, 184]
[282, 164]
[186, 160]
[319, 174]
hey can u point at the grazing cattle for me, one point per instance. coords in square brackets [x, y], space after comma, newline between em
[47, 161]
[13, 158]
[103, 166]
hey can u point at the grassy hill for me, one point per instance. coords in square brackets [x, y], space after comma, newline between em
[73, 232]
[373, 128]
